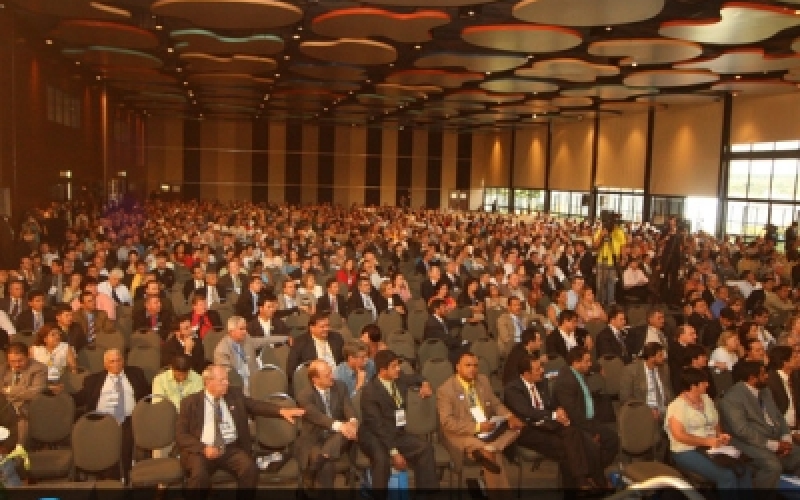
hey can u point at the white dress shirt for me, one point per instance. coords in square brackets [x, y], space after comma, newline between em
[207, 436]
[109, 392]
[324, 351]
[6, 324]
[570, 340]
[791, 421]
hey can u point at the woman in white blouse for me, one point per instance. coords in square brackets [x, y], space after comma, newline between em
[692, 422]
[49, 349]
[727, 352]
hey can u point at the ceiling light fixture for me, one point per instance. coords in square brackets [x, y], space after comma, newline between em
[488, 72]
[608, 28]
[738, 77]
[287, 57]
[48, 42]
[471, 13]
[178, 69]
[417, 47]
[296, 36]
[277, 75]
[170, 50]
[634, 64]
[159, 27]
[77, 63]
[185, 83]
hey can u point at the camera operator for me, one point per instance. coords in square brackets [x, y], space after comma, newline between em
[672, 258]
[607, 243]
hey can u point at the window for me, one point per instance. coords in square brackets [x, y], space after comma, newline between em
[569, 203]
[63, 108]
[628, 203]
[494, 195]
[528, 201]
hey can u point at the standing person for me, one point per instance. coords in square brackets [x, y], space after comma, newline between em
[607, 242]
[213, 433]
[671, 259]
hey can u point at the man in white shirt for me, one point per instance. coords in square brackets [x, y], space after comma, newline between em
[634, 281]
[114, 288]
[655, 329]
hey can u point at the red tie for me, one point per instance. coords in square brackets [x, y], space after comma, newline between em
[333, 304]
[537, 403]
[153, 321]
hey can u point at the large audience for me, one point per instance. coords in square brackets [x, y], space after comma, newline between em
[529, 332]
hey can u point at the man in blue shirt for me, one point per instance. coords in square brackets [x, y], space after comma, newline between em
[356, 369]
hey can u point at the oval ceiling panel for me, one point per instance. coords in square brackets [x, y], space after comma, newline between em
[611, 92]
[105, 33]
[586, 12]
[483, 96]
[678, 98]
[208, 42]
[525, 38]
[437, 78]
[75, 9]
[756, 87]
[646, 50]
[518, 85]
[430, 3]
[231, 14]
[351, 51]
[471, 62]
[573, 70]
[365, 22]
[228, 79]
[207, 63]
[112, 56]
[330, 72]
[670, 78]
[744, 61]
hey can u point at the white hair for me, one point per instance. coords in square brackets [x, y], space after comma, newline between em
[233, 322]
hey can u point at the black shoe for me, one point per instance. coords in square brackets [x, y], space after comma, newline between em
[486, 462]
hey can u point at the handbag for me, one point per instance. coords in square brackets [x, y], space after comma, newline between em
[737, 464]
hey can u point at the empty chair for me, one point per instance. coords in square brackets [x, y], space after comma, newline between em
[88, 431]
[612, 368]
[50, 419]
[335, 320]
[402, 344]
[225, 311]
[594, 327]
[553, 364]
[300, 378]
[723, 380]
[416, 323]
[146, 358]
[298, 319]
[91, 358]
[107, 341]
[432, 348]
[145, 338]
[389, 321]
[487, 348]
[637, 437]
[492, 313]
[277, 434]
[358, 319]
[154, 428]
[210, 342]
[473, 332]
[437, 371]
[268, 380]
[73, 381]
[422, 420]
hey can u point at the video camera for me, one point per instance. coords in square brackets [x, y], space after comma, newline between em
[609, 219]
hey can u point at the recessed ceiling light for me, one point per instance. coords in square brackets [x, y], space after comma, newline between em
[170, 50]
[287, 57]
[471, 13]
[277, 75]
[391, 65]
[324, 109]
[534, 115]
[98, 78]
[634, 64]
[77, 63]
[296, 36]
[48, 42]
[608, 28]
[369, 81]
[178, 69]
[738, 77]
[159, 27]
[266, 97]
[417, 47]
[734, 94]
[186, 83]
[299, 28]
[488, 72]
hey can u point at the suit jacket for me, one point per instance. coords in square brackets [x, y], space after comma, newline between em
[49, 281]
[279, 328]
[244, 305]
[453, 406]
[32, 382]
[142, 322]
[189, 288]
[102, 323]
[606, 344]
[324, 304]
[633, 383]
[5, 305]
[225, 354]
[165, 277]
[382, 304]
[744, 418]
[226, 282]
[189, 428]
[555, 343]
[303, 349]
[568, 394]
[172, 347]
[221, 293]
[517, 353]
[426, 289]
[435, 329]
[89, 395]
[779, 395]
[506, 330]
[24, 322]
[316, 422]
[378, 411]
[518, 399]
[356, 301]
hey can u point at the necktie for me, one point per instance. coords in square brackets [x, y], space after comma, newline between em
[153, 321]
[444, 325]
[537, 402]
[767, 418]
[472, 395]
[326, 400]
[334, 306]
[58, 288]
[371, 307]
[37, 320]
[15, 308]
[119, 410]
[90, 333]
[15, 378]
[219, 442]
[398, 400]
[657, 389]
[214, 296]
[114, 296]
[622, 344]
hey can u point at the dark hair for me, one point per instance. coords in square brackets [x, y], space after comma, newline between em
[692, 376]
[566, 315]
[651, 349]
[181, 363]
[727, 313]
[329, 282]
[743, 370]
[196, 297]
[43, 332]
[61, 308]
[760, 311]
[17, 348]
[576, 354]
[434, 305]
[35, 293]
[614, 311]
[383, 359]
[373, 332]
[528, 335]
[265, 297]
[779, 355]
[524, 364]
[694, 351]
[316, 318]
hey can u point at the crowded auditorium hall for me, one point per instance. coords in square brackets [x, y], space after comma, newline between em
[396, 249]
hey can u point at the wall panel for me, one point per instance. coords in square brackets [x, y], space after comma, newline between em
[389, 166]
[449, 165]
[765, 118]
[530, 156]
[622, 143]
[571, 155]
[310, 163]
[419, 166]
[277, 161]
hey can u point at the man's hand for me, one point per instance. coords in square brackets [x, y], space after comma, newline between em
[350, 430]
[188, 345]
[361, 377]
[425, 390]
[487, 426]
[588, 342]
[290, 340]
[211, 452]
[399, 462]
[515, 423]
[561, 417]
[784, 448]
[290, 413]
[473, 320]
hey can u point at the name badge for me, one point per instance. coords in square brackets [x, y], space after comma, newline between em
[400, 418]
[113, 399]
[53, 373]
[227, 431]
[478, 414]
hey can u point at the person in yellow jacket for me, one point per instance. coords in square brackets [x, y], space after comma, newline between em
[607, 243]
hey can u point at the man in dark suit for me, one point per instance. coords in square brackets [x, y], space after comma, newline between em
[784, 362]
[572, 393]
[153, 318]
[318, 343]
[22, 379]
[223, 442]
[71, 332]
[36, 315]
[677, 355]
[212, 291]
[164, 275]
[610, 340]
[438, 327]
[566, 337]
[183, 340]
[382, 436]
[331, 300]
[583, 263]
[725, 321]
[115, 391]
[266, 324]
[197, 281]
[530, 345]
[235, 281]
[386, 300]
[15, 301]
[363, 298]
[548, 428]
[428, 287]
[247, 304]
[329, 424]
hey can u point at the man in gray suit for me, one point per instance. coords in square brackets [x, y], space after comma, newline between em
[757, 427]
[237, 350]
[23, 379]
[329, 424]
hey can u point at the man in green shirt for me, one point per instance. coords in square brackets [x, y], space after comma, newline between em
[175, 384]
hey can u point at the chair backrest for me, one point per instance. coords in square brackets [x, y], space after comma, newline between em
[114, 340]
[431, 348]
[50, 417]
[26, 337]
[402, 349]
[474, 332]
[335, 319]
[637, 428]
[145, 338]
[298, 331]
[554, 363]
[298, 319]
[416, 323]
[146, 358]
[405, 367]
[594, 327]
[277, 432]
[91, 358]
[492, 314]
[637, 315]
[210, 342]
[483, 366]
[723, 380]
[487, 348]
[153, 421]
[612, 369]
[281, 353]
[73, 382]
[269, 380]
[300, 378]
[389, 322]
[421, 415]
[358, 319]
[437, 371]
[89, 431]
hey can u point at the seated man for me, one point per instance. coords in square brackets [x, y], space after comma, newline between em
[567, 337]
[530, 345]
[92, 320]
[784, 362]
[572, 393]
[467, 406]
[329, 424]
[382, 436]
[357, 368]
[23, 379]
[183, 341]
[265, 324]
[757, 427]
[319, 343]
[174, 384]
[153, 318]
[36, 315]
[610, 341]
[547, 427]
[510, 325]
[438, 327]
